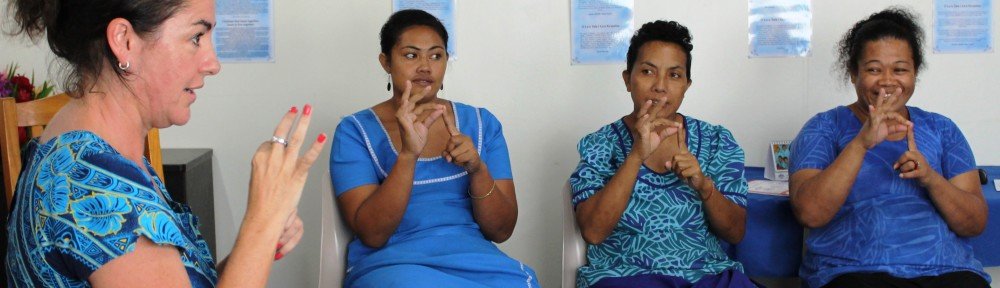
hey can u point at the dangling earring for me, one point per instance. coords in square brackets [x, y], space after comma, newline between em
[442, 86]
[388, 82]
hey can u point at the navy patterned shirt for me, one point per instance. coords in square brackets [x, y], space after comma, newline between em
[887, 224]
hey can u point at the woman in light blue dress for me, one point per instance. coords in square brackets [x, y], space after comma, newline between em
[424, 183]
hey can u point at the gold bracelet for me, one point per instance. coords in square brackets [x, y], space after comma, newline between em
[487, 193]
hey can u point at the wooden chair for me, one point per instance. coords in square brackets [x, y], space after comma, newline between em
[35, 115]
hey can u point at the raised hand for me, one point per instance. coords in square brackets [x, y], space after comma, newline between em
[876, 129]
[460, 150]
[413, 126]
[646, 123]
[685, 166]
[912, 164]
[278, 173]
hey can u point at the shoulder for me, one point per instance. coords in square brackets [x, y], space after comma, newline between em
[934, 120]
[604, 136]
[712, 132]
[481, 114]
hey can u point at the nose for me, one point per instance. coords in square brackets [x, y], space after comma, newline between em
[660, 85]
[886, 80]
[211, 65]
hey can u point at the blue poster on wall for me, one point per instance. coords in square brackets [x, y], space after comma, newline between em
[600, 30]
[963, 26]
[444, 10]
[243, 31]
[780, 28]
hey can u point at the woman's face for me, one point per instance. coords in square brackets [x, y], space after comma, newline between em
[175, 61]
[885, 66]
[418, 56]
[659, 71]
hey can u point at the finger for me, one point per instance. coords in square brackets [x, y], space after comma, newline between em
[880, 100]
[285, 124]
[669, 165]
[295, 236]
[682, 138]
[407, 90]
[911, 143]
[419, 109]
[433, 116]
[658, 106]
[419, 94]
[462, 148]
[644, 109]
[307, 159]
[449, 123]
[299, 133]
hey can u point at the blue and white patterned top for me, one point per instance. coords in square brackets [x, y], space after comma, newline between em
[81, 204]
[887, 224]
[663, 229]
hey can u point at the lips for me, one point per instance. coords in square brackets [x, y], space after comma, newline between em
[422, 81]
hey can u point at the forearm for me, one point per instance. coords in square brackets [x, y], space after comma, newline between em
[964, 211]
[380, 214]
[250, 262]
[726, 219]
[599, 214]
[494, 205]
[817, 199]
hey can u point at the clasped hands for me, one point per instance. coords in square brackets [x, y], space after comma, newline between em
[415, 124]
[652, 130]
[876, 129]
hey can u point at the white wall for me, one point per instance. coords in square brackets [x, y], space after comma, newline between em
[514, 60]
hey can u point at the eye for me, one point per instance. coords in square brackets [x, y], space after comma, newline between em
[435, 56]
[410, 55]
[646, 72]
[197, 38]
[901, 70]
[675, 75]
[874, 70]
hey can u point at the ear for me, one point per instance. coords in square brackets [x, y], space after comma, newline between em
[384, 60]
[854, 78]
[122, 39]
[688, 85]
[627, 79]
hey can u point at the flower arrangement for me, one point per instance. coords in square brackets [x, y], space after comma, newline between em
[22, 89]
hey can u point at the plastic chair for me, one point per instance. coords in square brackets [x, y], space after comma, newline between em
[335, 237]
[574, 248]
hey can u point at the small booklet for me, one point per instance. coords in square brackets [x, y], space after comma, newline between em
[777, 161]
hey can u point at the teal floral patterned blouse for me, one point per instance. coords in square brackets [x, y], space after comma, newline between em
[663, 230]
[80, 204]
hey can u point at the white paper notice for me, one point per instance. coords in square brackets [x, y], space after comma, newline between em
[780, 28]
[767, 187]
[444, 10]
[600, 30]
[963, 26]
[244, 31]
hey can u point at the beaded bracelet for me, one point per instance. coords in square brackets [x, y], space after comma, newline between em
[487, 193]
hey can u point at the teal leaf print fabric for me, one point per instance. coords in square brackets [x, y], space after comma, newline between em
[79, 204]
[663, 230]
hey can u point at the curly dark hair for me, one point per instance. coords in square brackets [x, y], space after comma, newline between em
[895, 23]
[404, 19]
[75, 30]
[666, 31]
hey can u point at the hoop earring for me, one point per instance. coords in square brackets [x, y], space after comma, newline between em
[124, 67]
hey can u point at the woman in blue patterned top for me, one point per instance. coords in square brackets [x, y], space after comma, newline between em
[88, 210]
[889, 191]
[425, 198]
[657, 192]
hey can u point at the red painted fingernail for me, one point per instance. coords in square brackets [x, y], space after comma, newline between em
[279, 246]
[321, 138]
[294, 109]
[307, 110]
[278, 256]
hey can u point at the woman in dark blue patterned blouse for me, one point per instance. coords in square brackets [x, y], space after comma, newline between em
[89, 210]
[890, 191]
[656, 192]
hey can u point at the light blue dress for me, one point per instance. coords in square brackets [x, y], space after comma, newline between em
[437, 243]
[81, 204]
[887, 224]
[663, 230]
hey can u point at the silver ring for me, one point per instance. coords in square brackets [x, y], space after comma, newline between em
[279, 140]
